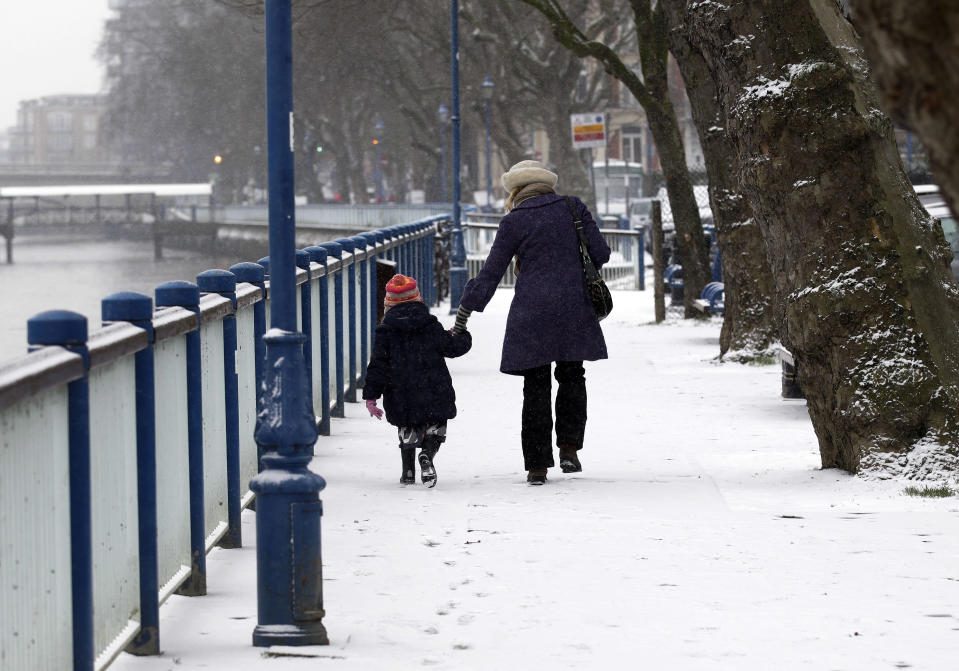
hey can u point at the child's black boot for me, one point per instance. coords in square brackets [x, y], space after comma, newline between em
[409, 465]
[427, 470]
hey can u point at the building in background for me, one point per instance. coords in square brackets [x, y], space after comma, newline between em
[62, 139]
[4, 147]
[60, 130]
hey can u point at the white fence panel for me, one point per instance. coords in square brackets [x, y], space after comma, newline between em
[358, 316]
[331, 331]
[247, 391]
[214, 431]
[173, 463]
[113, 469]
[37, 632]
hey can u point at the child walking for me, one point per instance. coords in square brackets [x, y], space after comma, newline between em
[408, 368]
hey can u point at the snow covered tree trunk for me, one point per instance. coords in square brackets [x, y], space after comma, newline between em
[751, 319]
[915, 61]
[870, 311]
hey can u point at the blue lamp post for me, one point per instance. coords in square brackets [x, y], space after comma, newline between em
[288, 506]
[487, 89]
[443, 114]
[458, 251]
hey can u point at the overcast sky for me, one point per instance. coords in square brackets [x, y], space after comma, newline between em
[48, 47]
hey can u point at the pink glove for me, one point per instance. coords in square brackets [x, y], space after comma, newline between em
[374, 411]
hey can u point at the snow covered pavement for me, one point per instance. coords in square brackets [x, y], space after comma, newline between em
[700, 535]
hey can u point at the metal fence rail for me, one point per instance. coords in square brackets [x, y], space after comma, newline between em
[126, 456]
[625, 270]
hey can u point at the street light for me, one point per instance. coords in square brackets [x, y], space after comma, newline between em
[487, 90]
[443, 114]
[378, 141]
[457, 250]
[288, 507]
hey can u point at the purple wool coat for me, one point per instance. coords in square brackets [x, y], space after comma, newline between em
[550, 318]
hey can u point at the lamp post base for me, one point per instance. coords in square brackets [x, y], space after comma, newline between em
[313, 633]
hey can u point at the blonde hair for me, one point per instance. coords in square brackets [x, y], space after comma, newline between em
[512, 196]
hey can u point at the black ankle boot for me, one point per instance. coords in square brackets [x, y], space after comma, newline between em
[536, 476]
[409, 468]
[569, 460]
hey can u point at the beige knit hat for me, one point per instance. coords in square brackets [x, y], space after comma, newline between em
[528, 172]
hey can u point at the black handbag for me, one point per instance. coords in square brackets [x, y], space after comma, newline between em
[596, 288]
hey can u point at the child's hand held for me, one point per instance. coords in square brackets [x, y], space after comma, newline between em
[374, 411]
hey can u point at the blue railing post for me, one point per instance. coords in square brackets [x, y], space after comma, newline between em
[306, 316]
[137, 309]
[187, 295]
[432, 264]
[255, 274]
[69, 330]
[426, 264]
[318, 255]
[267, 310]
[373, 241]
[335, 250]
[289, 512]
[350, 297]
[223, 283]
[363, 269]
[408, 261]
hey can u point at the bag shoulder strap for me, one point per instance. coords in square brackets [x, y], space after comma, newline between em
[588, 266]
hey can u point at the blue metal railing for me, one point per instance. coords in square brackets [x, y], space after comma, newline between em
[126, 456]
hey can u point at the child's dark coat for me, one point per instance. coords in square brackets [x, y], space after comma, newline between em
[408, 366]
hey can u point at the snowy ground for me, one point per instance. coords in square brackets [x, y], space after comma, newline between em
[701, 535]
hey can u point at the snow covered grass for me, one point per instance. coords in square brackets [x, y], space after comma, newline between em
[702, 534]
[941, 491]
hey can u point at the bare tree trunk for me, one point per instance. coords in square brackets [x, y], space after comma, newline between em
[870, 313]
[752, 316]
[912, 49]
[659, 299]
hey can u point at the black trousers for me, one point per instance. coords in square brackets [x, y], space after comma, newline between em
[537, 431]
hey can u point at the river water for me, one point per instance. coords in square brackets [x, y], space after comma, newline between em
[75, 273]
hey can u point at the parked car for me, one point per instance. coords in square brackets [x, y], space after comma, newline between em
[931, 199]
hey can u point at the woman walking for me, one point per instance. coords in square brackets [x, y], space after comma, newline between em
[551, 319]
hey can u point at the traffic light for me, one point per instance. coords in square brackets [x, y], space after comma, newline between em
[319, 149]
[218, 159]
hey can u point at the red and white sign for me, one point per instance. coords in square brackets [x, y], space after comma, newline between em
[589, 130]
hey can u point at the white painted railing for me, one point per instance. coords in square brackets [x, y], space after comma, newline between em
[624, 270]
[119, 406]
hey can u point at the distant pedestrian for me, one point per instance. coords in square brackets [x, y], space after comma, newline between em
[551, 318]
[408, 369]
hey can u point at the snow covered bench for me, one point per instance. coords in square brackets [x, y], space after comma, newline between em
[790, 386]
[712, 299]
